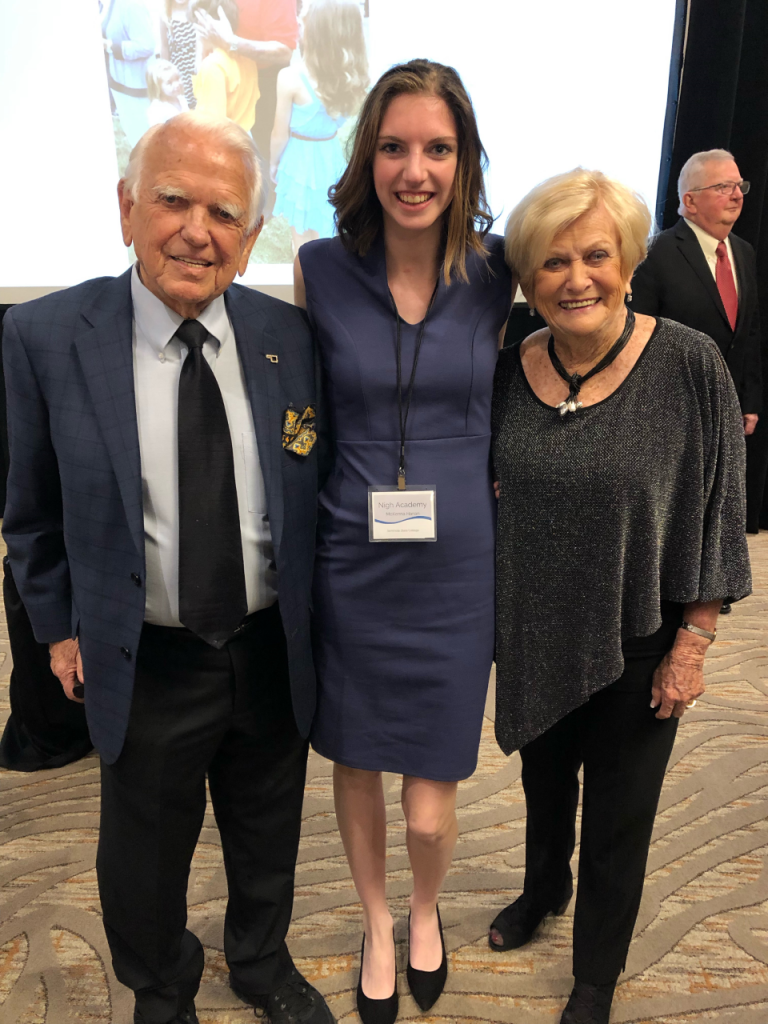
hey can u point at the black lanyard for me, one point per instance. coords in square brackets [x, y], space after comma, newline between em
[403, 412]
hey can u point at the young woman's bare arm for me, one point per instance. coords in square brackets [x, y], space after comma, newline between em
[299, 291]
[281, 129]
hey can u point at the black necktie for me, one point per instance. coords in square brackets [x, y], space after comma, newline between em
[212, 601]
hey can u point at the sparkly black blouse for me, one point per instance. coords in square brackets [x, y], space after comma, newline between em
[605, 513]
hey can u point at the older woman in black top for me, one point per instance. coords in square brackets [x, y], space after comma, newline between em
[620, 455]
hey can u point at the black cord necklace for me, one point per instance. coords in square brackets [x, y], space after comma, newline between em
[575, 380]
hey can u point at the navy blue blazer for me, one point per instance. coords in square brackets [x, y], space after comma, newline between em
[74, 521]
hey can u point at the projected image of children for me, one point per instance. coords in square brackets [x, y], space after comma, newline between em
[129, 45]
[226, 83]
[179, 42]
[293, 73]
[165, 89]
[316, 95]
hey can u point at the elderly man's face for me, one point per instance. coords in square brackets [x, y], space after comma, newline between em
[189, 224]
[714, 213]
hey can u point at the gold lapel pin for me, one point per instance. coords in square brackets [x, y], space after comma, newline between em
[271, 358]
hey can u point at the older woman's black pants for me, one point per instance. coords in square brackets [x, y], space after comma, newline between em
[624, 750]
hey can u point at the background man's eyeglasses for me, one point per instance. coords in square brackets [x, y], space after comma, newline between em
[725, 188]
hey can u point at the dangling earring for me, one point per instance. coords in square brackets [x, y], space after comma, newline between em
[629, 296]
[532, 311]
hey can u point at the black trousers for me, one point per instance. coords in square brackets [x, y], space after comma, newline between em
[226, 714]
[624, 750]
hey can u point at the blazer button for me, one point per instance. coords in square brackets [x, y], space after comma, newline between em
[125, 653]
[135, 578]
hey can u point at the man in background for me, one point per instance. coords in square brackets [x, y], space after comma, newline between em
[704, 276]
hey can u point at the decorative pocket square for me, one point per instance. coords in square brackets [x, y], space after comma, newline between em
[299, 433]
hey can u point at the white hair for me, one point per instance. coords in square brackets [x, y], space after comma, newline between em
[220, 131]
[691, 171]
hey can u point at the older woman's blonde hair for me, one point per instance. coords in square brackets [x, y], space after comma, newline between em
[554, 204]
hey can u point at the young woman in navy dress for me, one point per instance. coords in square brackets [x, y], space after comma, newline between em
[404, 632]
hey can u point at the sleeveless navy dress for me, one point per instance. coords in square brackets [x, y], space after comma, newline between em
[404, 632]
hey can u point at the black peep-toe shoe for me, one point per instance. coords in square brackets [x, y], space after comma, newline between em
[376, 1011]
[427, 986]
[517, 923]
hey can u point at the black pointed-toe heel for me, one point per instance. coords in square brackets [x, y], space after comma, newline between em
[427, 986]
[376, 1011]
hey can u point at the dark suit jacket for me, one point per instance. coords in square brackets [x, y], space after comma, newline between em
[74, 521]
[675, 282]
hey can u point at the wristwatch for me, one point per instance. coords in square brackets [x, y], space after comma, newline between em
[699, 631]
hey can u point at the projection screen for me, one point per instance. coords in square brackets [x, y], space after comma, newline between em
[554, 83]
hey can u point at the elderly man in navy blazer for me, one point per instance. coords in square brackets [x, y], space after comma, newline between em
[160, 524]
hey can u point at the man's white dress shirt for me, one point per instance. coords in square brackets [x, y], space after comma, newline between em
[157, 360]
[709, 246]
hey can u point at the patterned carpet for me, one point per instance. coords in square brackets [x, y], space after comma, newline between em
[701, 946]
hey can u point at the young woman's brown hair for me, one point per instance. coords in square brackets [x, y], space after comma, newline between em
[358, 211]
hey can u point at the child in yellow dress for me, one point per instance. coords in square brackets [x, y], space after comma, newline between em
[226, 85]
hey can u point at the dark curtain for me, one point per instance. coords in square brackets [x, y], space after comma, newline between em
[723, 103]
[3, 420]
[44, 730]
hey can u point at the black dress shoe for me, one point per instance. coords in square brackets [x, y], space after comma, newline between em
[187, 1016]
[725, 610]
[517, 923]
[588, 1004]
[295, 1002]
[427, 986]
[376, 1011]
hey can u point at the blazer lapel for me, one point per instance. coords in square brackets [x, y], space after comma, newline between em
[104, 345]
[262, 380]
[688, 244]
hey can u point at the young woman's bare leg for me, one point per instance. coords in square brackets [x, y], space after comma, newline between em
[432, 829]
[360, 812]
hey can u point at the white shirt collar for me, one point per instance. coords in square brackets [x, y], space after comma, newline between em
[707, 242]
[158, 322]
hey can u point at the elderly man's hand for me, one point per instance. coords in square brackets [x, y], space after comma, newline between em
[679, 678]
[750, 422]
[67, 666]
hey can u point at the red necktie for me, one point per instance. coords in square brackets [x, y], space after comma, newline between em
[726, 285]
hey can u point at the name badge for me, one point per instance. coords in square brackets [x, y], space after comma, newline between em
[408, 515]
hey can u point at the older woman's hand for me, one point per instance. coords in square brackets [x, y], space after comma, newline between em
[679, 678]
